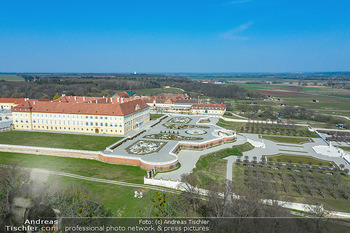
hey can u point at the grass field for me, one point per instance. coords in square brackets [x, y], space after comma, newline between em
[297, 140]
[327, 91]
[119, 199]
[346, 148]
[296, 158]
[331, 101]
[57, 140]
[325, 102]
[213, 167]
[250, 86]
[10, 77]
[83, 167]
[155, 116]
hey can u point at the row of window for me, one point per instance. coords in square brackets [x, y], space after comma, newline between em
[58, 116]
[68, 128]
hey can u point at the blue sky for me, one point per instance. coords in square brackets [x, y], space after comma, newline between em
[174, 36]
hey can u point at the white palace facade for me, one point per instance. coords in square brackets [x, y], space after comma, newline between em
[117, 116]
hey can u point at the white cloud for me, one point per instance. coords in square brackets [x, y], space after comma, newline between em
[235, 33]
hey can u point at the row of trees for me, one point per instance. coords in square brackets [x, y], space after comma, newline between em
[226, 211]
[49, 87]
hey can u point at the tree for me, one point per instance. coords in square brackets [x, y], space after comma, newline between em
[342, 166]
[190, 195]
[255, 159]
[56, 97]
[279, 161]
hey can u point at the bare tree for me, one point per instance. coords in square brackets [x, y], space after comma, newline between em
[191, 189]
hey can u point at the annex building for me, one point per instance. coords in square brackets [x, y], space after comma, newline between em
[10, 103]
[81, 114]
[182, 104]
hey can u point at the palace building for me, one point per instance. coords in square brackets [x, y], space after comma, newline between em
[81, 114]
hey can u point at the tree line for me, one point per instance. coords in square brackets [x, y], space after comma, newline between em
[47, 86]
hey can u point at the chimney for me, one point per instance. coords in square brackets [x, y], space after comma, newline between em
[84, 98]
[34, 102]
[75, 98]
[111, 99]
[96, 101]
[122, 100]
[103, 96]
[68, 97]
[118, 99]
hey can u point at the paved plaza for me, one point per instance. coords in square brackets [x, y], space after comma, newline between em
[175, 125]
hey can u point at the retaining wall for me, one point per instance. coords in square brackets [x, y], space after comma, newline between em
[50, 151]
[136, 161]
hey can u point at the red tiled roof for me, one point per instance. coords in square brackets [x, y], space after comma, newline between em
[18, 100]
[11, 100]
[122, 94]
[109, 109]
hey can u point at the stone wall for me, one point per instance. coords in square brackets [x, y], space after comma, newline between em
[182, 145]
[49, 151]
[135, 161]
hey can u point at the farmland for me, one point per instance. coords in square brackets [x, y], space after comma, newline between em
[10, 77]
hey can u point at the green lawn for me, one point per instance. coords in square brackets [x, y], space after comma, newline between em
[229, 115]
[287, 139]
[119, 199]
[10, 77]
[57, 140]
[213, 167]
[83, 167]
[155, 116]
[296, 158]
[346, 148]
